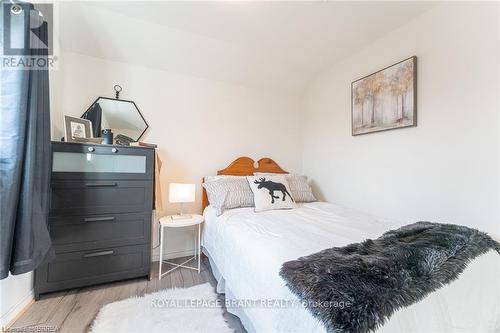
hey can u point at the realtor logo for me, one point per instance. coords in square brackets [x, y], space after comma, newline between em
[27, 35]
[27, 30]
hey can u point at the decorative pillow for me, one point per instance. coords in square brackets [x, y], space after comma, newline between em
[299, 187]
[217, 177]
[271, 192]
[228, 192]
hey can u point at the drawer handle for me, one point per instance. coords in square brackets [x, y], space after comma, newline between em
[98, 254]
[99, 219]
[100, 184]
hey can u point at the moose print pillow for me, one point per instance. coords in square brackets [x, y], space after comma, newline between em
[271, 192]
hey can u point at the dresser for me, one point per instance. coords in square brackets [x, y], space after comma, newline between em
[100, 215]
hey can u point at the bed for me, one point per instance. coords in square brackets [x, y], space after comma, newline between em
[246, 251]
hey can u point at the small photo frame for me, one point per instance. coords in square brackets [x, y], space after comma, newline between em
[76, 129]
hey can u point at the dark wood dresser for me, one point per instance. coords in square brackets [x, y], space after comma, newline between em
[100, 215]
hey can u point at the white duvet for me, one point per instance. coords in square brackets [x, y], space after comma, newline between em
[249, 248]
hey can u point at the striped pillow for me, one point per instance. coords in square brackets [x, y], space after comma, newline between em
[300, 188]
[301, 191]
[228, 192]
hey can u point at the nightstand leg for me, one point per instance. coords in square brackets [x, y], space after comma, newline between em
[161, 252]
[195, 250]
[199, 246]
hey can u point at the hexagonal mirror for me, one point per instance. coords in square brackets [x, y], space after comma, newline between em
[121, 116]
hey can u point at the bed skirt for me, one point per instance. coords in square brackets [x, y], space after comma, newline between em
[229, 296]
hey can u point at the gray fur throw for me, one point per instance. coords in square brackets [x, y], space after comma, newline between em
[358, 287]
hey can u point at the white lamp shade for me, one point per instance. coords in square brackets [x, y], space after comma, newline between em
[179, 193]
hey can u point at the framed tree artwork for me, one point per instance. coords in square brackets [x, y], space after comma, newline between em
[386, 99]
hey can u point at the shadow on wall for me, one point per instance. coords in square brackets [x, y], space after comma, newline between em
[316, 190]
[177, 171]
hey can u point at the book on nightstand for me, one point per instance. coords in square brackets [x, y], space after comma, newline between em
[143, 144]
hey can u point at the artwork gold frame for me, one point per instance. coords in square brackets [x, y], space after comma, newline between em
[386, 99]
[77, 129]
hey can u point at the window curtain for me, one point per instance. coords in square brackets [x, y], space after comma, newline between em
[25, 155]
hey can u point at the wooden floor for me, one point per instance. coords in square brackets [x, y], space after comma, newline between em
[74, 310]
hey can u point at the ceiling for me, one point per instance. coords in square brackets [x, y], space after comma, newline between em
[277, 46]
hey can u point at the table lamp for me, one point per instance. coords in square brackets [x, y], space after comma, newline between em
[181, 193]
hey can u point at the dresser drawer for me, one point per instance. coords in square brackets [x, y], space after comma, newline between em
[100, 197]
[75, 233]
[94, 162]
[76, 269]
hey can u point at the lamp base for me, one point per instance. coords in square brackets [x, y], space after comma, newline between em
[181, 217]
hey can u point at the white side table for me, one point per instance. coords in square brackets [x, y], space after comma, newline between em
[168, 222]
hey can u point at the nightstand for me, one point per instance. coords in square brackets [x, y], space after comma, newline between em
[168, 222]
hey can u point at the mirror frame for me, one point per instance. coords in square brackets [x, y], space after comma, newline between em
[122, 100]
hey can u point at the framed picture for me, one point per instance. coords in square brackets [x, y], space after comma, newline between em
[76, 129]
[386, 99]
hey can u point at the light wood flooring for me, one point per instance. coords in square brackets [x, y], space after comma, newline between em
[74, 310]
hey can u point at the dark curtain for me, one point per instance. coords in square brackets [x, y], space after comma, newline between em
[25, 159]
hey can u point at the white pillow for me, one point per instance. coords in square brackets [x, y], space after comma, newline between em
[300, 188]
[271, 192]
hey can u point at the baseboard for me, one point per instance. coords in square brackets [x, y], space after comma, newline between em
[17, 310]
[171, 255]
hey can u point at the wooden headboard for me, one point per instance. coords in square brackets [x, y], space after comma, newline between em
[245, 166]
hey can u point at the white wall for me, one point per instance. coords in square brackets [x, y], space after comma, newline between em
[447, 168]
[200, 125]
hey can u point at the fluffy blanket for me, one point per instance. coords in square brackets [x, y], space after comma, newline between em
[358, 287]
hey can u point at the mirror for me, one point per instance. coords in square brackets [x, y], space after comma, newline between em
[121, 116]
